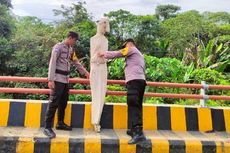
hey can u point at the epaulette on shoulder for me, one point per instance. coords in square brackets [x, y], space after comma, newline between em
[57, 47]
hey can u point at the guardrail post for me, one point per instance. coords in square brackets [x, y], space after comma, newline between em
[202, 92]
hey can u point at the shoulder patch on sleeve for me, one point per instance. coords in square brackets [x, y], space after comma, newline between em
[124, 51]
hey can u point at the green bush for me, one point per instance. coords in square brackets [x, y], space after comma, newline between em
[164, 69]
[25, 95]
[154, 100]
[80, 97]
[209, 103]
[116, 99]
[210, 77]
[6, 96]
[116, 69]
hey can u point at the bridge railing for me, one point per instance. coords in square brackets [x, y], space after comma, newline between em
[202, 96]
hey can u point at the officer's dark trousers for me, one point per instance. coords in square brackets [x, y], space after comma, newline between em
[135, 93]
[58, 99]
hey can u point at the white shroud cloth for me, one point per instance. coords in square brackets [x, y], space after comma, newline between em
[98, 76]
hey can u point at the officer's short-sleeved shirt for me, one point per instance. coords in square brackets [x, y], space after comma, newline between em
[62, 57]
[134, 62]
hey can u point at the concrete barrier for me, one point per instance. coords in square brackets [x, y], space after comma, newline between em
[30, 113]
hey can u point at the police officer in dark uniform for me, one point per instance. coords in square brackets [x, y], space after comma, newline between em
[58, 79]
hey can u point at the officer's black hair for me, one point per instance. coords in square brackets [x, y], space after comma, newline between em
[73, 35]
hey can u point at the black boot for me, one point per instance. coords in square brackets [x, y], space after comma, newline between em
[63, 126]
[49, 133]
[129, 132]
[138, 135]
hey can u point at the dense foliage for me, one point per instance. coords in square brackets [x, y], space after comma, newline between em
[187, 47]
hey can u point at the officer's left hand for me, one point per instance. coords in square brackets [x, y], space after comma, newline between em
[51, 84]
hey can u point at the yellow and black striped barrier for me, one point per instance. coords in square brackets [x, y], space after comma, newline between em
[24, 140]
[25, 113]
[27, 140]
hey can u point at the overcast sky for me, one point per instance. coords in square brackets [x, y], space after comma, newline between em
[43, 8]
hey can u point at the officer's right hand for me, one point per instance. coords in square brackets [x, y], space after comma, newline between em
[87, 75]
[51, 84]
[101, 54]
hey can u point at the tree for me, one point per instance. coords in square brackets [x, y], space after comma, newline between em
[122, 26]
[73, 15]
[221, 20]
[214, 55]
[6, 22]
[7, 3]
[147, 33]
[6, 52]
[166, 11]
[209, 47]
[218, 17]
[144, 29]
[183, 31]
[32, 49]
[6, 31]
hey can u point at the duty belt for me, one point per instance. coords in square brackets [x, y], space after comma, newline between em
[62, 72]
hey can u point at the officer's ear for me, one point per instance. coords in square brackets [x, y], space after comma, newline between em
[73, 39]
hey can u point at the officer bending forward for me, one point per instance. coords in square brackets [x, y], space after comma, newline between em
[135, 81]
